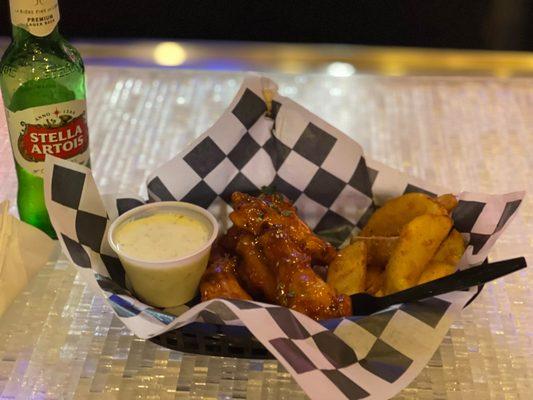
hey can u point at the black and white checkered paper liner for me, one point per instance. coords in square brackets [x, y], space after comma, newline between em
[335, 189]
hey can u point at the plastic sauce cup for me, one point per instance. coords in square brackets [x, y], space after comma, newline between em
[166, 283]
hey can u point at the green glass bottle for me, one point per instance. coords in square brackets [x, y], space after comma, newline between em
[43, 88]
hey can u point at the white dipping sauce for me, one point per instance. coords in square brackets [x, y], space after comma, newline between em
[159, 237]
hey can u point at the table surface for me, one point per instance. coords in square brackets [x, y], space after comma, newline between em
[58, 340]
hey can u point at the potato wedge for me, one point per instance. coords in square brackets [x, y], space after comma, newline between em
[451, 250]
[435, 270]
[375, 279]
[448, 201]
[394, 214]
[379, 249]
[418, 243]
[347, 272]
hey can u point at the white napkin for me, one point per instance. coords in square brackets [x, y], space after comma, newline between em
[24, 250]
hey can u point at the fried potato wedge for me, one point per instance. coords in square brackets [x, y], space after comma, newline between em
[418, 243]
[394, 214]
[451, 250]
[375, 280]
[435, 270]
[379, 249]
[448, 201]
[347, 271]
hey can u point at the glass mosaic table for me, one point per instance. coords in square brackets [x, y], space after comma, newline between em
[58, 340]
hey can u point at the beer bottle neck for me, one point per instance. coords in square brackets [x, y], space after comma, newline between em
[22, 35]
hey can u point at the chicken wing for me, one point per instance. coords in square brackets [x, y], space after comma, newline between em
[253, 271]
[220, 280]
[230, 239]
[255, 214]
[272, 252]
[298, 286]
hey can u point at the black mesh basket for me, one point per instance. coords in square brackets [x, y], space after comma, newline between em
[214, 340]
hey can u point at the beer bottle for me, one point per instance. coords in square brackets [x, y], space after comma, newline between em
[43, 88]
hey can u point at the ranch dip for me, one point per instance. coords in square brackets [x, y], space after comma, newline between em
[161, 236]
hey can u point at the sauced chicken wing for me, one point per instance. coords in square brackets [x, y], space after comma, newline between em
[220, 280]
[299, 287]
[230, 239]
[274, 250]
[255, 214]
[253, 271]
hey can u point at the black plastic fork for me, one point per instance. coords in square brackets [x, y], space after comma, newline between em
[365, 304]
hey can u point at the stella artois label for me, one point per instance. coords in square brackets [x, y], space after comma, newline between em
[38, 17]
[57, 129]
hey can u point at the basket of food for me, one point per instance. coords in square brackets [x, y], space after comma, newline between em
[272, 235]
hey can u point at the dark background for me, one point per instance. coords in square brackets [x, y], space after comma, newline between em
[469, 24]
